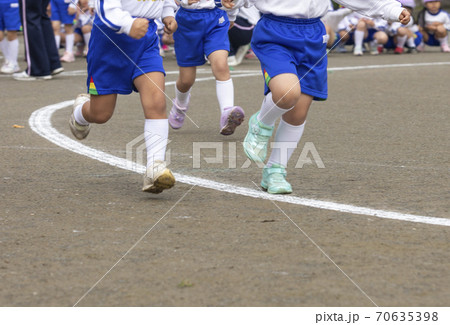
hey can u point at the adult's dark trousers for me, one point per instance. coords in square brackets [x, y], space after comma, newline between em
[40, 47]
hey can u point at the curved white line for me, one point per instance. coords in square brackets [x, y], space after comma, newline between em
[40, 122]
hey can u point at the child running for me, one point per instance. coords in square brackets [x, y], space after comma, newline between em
[124, 57]
[290, 42]
[203, 32]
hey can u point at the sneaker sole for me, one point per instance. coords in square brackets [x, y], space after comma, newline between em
[165, 181]
[234, 120]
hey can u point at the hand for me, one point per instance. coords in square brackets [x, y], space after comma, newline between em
[228, 4]
[405, 17]
[231, 25]
[139, 28]
[170, 25]
[192, 1]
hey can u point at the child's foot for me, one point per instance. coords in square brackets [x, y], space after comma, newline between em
[445, 48]
[257, 138]
[398, 50]
[158, 178]
[274, 180]
[231, 118]
[412, 50]
[421, 47]
[357, 51]
[79, 131]
[68, 57]
[177, 115]
[10, 68]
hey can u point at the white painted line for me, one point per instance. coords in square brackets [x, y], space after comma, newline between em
[40, 122]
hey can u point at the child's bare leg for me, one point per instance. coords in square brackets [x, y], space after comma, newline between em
[151, 90]
[441, 35]
[99, 108]
[359, 36]
[57, 31]
[186, 79]
[289, 132]
[156, 127]
[219, 65]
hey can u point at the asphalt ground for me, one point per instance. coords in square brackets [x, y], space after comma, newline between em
[371, 228]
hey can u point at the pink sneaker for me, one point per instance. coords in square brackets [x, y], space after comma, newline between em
[231, 118]
[177, 115]
[68, 57]
[445, 48]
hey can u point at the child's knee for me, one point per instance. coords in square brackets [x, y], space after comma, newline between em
[286, 98]
[101, 118]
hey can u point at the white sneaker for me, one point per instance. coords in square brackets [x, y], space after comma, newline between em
[241, 52]
[158, 178]
[357, 51]
[79, 131]
[24, 76]
[10, 68]
[57, 71]
[232, 61]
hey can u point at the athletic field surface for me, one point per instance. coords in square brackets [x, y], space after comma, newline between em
[368, 223]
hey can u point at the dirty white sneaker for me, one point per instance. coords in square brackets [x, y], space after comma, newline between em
[79, 131]
[158, 178]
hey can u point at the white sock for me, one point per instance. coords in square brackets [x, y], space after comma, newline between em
[182, 98]
[70, 38]
[13, 51]
[86, 37]
[156, 137]
[4, 48]
[401, 40]
[270, 112]
[78, 114]
[359, 38]
[225, 94]
[58, 41]
[443, 40]
[411, 42]
[285, 142]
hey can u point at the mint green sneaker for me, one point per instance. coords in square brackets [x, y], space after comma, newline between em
[257, 138]
[274, 180]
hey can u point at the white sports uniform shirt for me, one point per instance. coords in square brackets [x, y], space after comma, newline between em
[441, 17]
[202, 4]
[306, 9]
[118, 14]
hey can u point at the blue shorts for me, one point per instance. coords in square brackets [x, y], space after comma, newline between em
[200, 32]
[9, 15]
[59, 11]
[115, 60]
[298, 46]
[432, 41]
[370, 36]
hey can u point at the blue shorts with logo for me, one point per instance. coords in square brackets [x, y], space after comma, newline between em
[9, 15]
[297, 46]
[115, 60]
[59, 11]
[200, 32]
